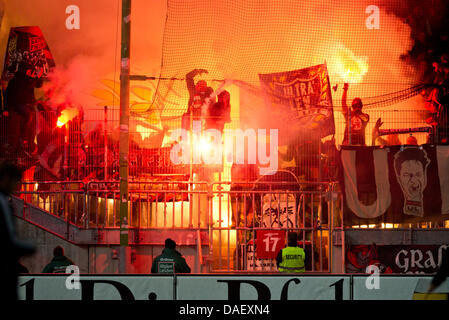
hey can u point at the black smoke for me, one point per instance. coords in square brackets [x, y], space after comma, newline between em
[429, 23]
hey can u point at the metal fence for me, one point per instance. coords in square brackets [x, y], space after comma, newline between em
[233, 213]
[241, 214]
[86, 146]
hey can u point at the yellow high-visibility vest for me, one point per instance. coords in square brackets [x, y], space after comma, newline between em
[292, 260]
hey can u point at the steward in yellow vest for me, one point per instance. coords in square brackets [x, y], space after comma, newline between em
[292, 258]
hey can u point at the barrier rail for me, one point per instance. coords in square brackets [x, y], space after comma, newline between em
[241, 214]
[232, 214]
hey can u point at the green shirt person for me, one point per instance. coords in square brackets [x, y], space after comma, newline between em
[292, 258]
[170, 261]
[59, 263]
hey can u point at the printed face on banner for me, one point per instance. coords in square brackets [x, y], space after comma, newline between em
[411, 172]
[278, 210]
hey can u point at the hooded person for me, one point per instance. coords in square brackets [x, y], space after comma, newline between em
[170, 261]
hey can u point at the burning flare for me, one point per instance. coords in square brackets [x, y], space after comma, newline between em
[350, 68]
[66, 116]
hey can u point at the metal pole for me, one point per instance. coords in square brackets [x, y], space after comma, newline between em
[66, 143]
[105, 143]
[124, 133]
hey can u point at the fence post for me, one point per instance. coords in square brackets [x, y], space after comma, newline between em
[105, 143]
[86, 210]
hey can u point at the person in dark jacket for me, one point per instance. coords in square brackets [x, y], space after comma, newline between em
[220, 112]
[59, 263]
[200, 90]
[12, 247]
[20, 103]
[442, 273]
[170, 261]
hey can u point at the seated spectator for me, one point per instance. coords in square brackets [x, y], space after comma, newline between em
[170, 261]
[59, 263]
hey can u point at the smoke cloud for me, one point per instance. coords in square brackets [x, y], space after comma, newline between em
[236, 40]
[84, 57]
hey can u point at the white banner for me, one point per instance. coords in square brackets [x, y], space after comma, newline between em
[208, 287]
[396, 288]
[68, 287]
[263, 287]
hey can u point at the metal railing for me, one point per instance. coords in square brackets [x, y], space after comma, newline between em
[232, 213]
[240, 213]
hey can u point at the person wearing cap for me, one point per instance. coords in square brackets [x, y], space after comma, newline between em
[292, 258]
[170, 261]
[356, 120]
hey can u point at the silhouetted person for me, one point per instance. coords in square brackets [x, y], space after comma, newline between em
[356, 120]
[59, 263]
[198, 94]
[13, 248]
[20, 102]
[219, 112]
[170, 261]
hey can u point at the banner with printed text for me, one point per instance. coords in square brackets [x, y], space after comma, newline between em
[396, 259]
[301, 99]
[28, 52]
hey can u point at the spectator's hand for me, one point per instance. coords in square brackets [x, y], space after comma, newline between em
[346, 86]
[378, 124]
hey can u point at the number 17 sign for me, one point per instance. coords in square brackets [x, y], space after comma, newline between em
[269, 243]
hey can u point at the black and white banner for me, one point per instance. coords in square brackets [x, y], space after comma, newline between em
[397, 184]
